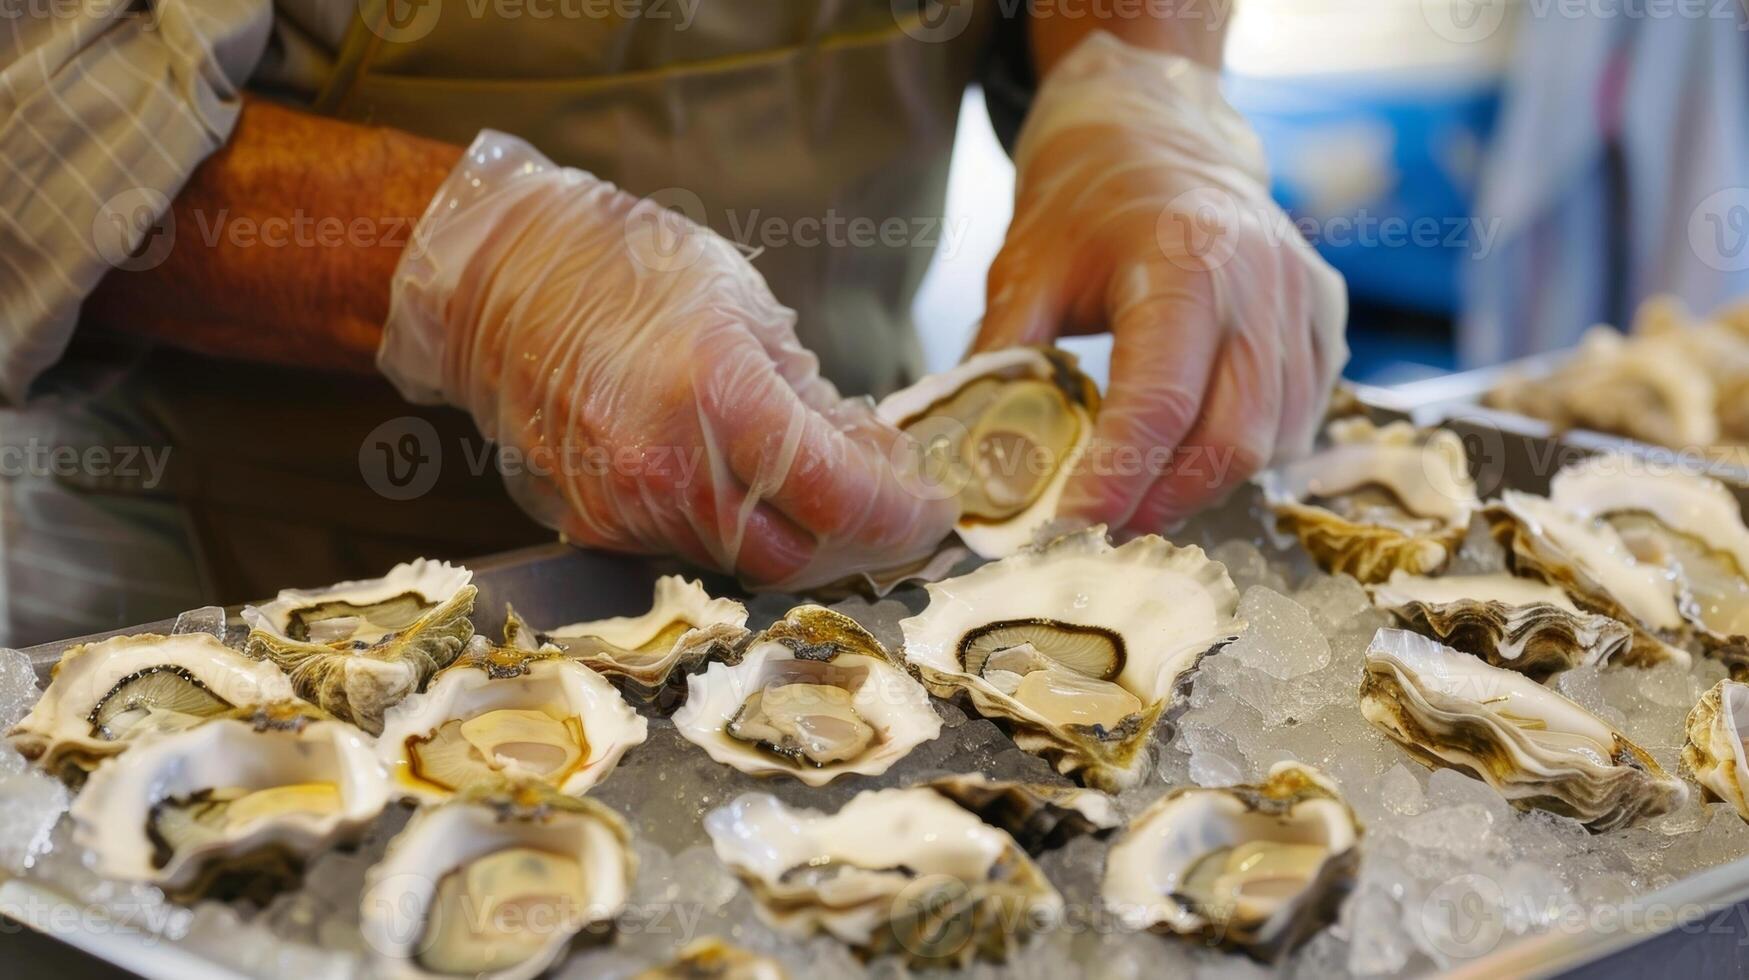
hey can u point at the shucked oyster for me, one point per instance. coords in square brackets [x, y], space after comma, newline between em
[711, 958]
[495, 884]
[647, 657]
[241, 799]
[1003, 429]
[814, 697]
[1259, 868]
[1534, 746]
[358, 647]
[498, 712]
[1377, 499]
[1521, 624]
[1038, 816]
[1589, 560]
[1079, 646]
[899, 871]
[106, 694]
[1716, 753]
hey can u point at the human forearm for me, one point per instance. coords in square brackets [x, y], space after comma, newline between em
[1193, 30]
[284, 243]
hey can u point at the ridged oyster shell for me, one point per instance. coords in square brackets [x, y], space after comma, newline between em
[1520, 624]
[1535, 747]
[499, 713]
[1715, 751]
[244, 798]
[1377, 499]
[647, 657]
[814, 697]
[1001, 431]
[106, 694]
[1192, 862]
[1123, 626]
[356, 648]
[495, 884]
[1038, 816]
[895, 871]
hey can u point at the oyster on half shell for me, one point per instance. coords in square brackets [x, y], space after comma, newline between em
[647, 657]
[1002, 430]
[815, 696]
[1377, 499]
[237, 802]
[1535, 747]
[356, 648]
[495, 884]
[106, 694]
[1039, 816]
[1257, 868]
[500, 713]
[895, 871]
[1521, 624]
[1077, 645]
[1716, 750]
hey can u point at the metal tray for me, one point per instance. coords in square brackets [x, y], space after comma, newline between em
[1697, 927]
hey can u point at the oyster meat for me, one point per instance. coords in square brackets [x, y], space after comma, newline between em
[1377, 499]
[1001, 432]
[1535, 747]
[814, 697]
[498, 713]
[236, 803]
[1518, 623]
[1715, 752]
[1078, 645]
[711, 958]
[356, 648]
[647, 657]
[106, 694]
[895, 871]
[1257, 868]
[495, 884]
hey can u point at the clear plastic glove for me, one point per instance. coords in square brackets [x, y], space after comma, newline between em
[1143, 208]
[646, 391]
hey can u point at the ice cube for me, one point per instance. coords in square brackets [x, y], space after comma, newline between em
[18, 687]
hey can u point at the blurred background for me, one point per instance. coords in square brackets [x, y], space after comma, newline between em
[1492, 176]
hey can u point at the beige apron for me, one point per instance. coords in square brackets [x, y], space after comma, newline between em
[815, 133]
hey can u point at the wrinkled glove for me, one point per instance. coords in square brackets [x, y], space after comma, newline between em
[646, 391]
[1142, 207]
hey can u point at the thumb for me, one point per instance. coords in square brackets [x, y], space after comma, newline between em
[1023, 304]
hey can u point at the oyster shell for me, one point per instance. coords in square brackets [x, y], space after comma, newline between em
[1590, 561]
[236, 803]
[106, 694]
[1002, 430]
[495, 884]
[498, 712]
[1039, 816]
[1535, 747]
[357, 647]
[1715, 751]
[647, 657]
[711, 958]
[1257, 868]
[1079, 646]
[814, 697]
[1524, 625]
[1377, 499]
[895, 871]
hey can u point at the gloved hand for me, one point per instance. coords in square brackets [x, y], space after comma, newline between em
[646, 391]
[1142, 207]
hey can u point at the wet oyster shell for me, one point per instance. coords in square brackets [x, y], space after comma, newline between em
[901, 872]
[1530, 627]
[1715, 752]
[394, 914]
[1147, 869]
[1377, 499]
[711, 958]
[1159, 606]
[1039, 816]
[352, 667]
[1535, 747]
